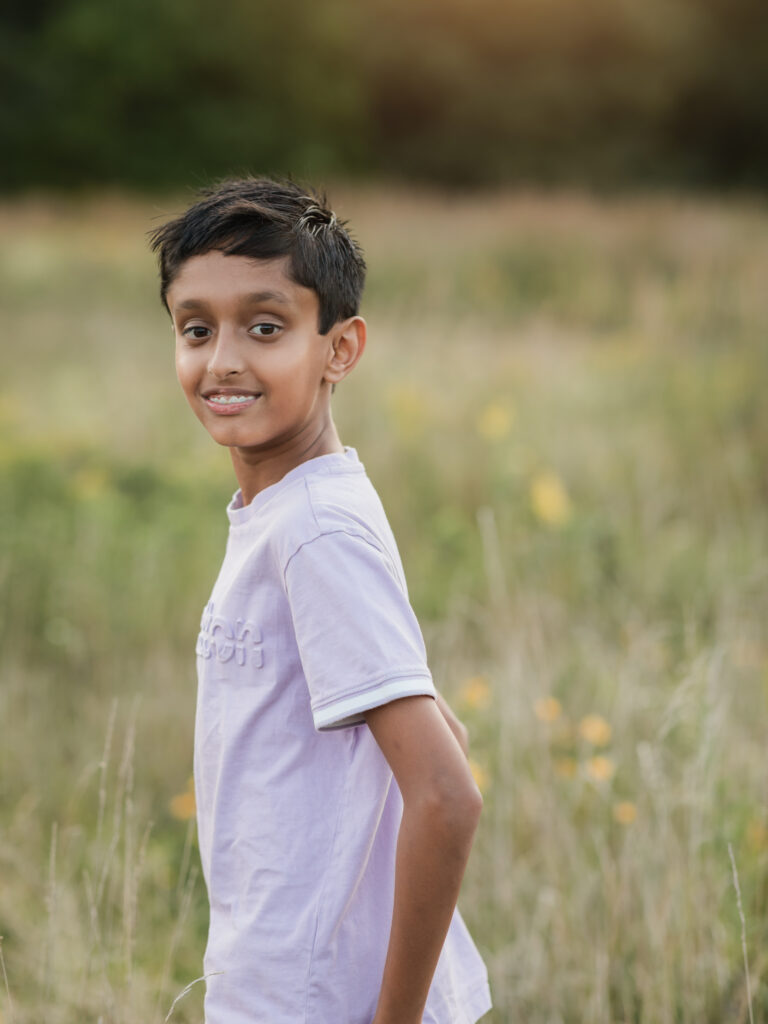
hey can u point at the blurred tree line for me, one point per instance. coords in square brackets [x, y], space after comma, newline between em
[157, 92]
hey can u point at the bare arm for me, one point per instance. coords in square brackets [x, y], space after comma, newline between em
[441, 807]
[456, 726]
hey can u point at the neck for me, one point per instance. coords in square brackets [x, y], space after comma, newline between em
[257, 469]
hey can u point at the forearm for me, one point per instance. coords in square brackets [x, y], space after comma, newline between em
[457, 727]
[432, 852]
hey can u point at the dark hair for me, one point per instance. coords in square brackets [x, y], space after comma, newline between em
[263, 219]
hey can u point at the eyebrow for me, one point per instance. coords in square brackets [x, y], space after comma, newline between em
[253, 299]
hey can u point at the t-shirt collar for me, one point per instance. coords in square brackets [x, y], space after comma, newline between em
[333, 462]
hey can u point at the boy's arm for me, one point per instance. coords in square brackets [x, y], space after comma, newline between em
[455, 724]
[441, 808]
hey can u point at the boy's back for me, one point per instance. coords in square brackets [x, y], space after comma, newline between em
[308, 626]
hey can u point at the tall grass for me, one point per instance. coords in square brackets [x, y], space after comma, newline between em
[562, 405]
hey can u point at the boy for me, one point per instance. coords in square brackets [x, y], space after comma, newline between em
[332, 886]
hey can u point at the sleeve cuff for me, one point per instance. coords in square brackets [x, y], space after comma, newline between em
[349, 710]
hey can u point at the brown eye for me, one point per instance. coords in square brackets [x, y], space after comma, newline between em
[196, 333]
[265, 330]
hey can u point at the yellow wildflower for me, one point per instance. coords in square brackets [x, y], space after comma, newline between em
[495, 421]
[595, 730]
[566, 767]
[547, 709]
[600, 768]
[183, 806]
[624, 812]
[479, 774]
[757, 834]
[549, 499]
[476, 693]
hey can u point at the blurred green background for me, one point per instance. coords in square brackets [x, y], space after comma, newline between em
[562, 405]
[157, 92]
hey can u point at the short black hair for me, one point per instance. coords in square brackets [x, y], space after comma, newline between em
[263, 218]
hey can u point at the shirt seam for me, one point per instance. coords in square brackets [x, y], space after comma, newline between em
[329, 533]
[311, 504]
[304, 479]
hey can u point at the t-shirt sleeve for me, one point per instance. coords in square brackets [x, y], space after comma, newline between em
[359, 641]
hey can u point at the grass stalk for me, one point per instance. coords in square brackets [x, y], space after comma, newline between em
[737, 887]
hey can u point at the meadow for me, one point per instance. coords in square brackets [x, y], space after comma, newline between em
[562, 405]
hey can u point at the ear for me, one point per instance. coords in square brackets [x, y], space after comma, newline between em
[348, 344]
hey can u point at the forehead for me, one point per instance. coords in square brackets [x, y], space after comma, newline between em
[216, 279]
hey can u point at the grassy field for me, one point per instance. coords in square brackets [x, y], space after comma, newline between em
[563, 407]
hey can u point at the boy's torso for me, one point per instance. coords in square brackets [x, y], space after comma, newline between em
[298, 827]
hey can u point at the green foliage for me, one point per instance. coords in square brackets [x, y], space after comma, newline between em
[179, 91]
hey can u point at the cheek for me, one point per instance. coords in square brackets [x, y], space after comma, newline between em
[186, 367]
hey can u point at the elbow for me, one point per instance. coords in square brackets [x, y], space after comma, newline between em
[470, 798]
[455, 806]
[461, 812]
[467, 798]
[474, 804]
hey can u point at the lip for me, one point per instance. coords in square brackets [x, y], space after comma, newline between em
[229, 410]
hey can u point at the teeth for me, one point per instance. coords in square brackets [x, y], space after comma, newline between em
[230, 399]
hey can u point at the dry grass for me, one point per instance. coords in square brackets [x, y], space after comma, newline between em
[562, 405]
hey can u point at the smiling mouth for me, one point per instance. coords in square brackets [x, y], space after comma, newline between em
[230, 399]
[228, 403]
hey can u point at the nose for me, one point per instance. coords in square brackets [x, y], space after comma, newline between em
[227, 356]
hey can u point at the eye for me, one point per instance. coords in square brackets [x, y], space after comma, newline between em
[265, 330]
[196, 332]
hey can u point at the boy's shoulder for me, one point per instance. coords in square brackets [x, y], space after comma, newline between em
[322, 503]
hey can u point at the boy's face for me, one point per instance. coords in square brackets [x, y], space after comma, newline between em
[249, 356]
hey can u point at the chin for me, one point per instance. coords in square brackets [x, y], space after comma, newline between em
[239, 438]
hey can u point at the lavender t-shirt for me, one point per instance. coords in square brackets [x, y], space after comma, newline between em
[308, 626]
